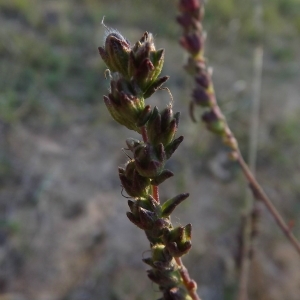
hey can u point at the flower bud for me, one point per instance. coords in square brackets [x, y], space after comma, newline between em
[186, 21]
[125, 104]
[147, 218]
[203, 78]
[178, 240]
[148, 203]
[154, 235]
[149, 160]
[161, 258]
[148, 221]
[162, 126]
[201, 96]
[165, 278]
[134, 184]
[144, 116]
[116, 52]
[189, 5]
[193, 43]
[145, 65]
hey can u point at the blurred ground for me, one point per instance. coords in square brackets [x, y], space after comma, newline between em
[64, 234]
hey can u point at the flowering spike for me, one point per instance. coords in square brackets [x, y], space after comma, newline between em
[135, 72]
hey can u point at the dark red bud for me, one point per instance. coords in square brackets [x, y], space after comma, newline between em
[210, 117]
[185, 20]
[201, 96]
[193, 43]
[189, 5]
[203, 79]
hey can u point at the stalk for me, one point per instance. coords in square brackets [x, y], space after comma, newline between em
[193, 40]
[134, 78]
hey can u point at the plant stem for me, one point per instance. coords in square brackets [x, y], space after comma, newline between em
[245, 260]
[259, 193]
[155, 193]
[190, 284]
[250, 203]
[257, 190]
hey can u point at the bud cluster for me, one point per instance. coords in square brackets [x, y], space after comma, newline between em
[192, 40]
[134, 73]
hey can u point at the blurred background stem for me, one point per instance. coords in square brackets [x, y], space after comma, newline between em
[251, 205]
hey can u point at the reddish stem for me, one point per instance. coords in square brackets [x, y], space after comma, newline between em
[190, 284]
[155, 193]
[259, 193]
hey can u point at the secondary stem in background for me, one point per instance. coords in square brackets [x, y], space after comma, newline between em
[250, 203]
